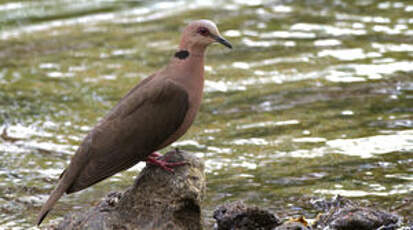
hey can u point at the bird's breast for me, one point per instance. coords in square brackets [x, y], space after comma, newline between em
[194, 102]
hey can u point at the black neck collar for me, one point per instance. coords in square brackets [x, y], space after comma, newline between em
[182, 54]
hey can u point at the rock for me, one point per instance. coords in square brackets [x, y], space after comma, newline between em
[238, 216]
[363, 218]
[347, 215]
[157, 200]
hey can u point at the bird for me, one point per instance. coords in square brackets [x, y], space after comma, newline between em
[151, 116]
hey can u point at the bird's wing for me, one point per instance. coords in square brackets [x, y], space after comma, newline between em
[134, 129]
[140, 122]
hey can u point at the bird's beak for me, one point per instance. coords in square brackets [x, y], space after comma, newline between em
[222, 40]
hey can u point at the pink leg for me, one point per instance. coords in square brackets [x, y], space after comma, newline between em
[164, 164]
[155, 155]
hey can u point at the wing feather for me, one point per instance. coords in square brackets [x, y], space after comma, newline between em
[132, 130]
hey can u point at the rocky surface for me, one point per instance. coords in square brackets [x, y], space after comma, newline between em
[344, 214]
[337, 214]
[164, 200]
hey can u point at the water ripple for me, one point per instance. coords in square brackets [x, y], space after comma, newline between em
[366, 147]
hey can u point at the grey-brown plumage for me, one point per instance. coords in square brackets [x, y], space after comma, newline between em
[155, 113]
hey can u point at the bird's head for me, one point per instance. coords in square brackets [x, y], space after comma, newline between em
[199, 34]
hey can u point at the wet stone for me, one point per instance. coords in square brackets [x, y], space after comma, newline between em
[347, 215]
[364, 218]
[238, 216]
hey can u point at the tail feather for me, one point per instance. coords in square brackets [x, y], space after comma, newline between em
[41, 217]
[67, 178]
[53, 198]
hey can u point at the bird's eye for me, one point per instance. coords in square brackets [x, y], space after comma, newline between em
[203, 31]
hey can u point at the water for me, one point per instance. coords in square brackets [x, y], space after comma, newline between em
[315, 100]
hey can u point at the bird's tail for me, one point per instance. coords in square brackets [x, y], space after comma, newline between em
[53, 198]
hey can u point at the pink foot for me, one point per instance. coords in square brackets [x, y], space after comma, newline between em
[164, 164]
[155, 155]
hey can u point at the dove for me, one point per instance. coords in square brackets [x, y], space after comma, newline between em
[151, 116]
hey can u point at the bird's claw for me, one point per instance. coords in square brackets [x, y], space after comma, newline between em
[155, 155]
[164, 164]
